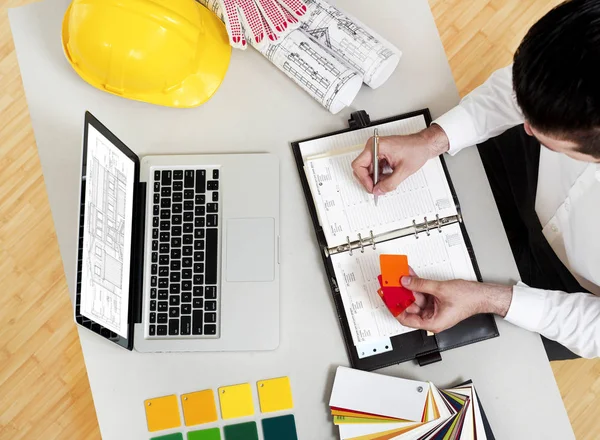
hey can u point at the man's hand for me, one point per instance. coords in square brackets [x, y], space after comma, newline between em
[440, 305]
[404, 154]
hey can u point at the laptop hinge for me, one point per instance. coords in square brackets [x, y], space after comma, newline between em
[137, 284]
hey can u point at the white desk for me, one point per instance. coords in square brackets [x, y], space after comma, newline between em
[259, 109]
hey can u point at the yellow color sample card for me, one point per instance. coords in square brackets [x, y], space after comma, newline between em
[236, 401]
[199, 408]
[162, 413]
[275, 395]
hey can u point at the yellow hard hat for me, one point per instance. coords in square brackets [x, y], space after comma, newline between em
[167, 52]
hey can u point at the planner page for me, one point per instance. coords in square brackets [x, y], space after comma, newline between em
[438, 256]
[347, 212]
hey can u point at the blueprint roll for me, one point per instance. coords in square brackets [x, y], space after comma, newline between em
[352, 42]
[329, 80]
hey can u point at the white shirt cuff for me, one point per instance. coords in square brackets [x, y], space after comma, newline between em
[527, 307]
[458, 126]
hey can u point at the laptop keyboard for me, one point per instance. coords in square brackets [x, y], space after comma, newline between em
[184, 256]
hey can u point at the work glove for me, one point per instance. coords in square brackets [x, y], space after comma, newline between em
[261, 21]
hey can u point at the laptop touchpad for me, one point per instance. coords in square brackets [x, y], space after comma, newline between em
[250, 249]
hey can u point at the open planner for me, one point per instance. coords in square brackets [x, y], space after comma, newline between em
[420, 219]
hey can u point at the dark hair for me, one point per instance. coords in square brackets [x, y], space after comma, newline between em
[556, 74]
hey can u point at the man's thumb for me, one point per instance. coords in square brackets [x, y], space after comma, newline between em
[417, 284]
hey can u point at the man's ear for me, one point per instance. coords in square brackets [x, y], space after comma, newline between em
[527, 128]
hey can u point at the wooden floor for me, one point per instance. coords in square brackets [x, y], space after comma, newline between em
[44, 391]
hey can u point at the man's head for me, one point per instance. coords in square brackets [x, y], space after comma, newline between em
[556, 77]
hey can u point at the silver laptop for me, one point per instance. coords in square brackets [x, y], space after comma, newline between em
[177, 253]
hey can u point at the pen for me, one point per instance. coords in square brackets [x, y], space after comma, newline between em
[375, 161]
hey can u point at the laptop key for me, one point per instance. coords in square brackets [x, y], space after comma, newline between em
[197, 322]
[188, 205]
[157, 175]
[188, 194]
[154, 256]
[152, 330]
[174, 288]
[177, 186]
[156, 198]
[210, 329]
[177, 208]
[154, 245]
[188, 239]
[210, 306]
[154, 233]
[164, 259]
[187, 251]
[186, 285]
[153, 281]
[175, 253]
[188, 228]
[153, 317]
[165, 236]
[198, 303]
[188, 179]
[215, 174]
[153, 306]
[198, 268]
[210, 317]
[176, 219]
[199, 256]
[199, 245]
[156, 186]
[176, 231]
[164, 248]
[161, 330]
[165, 203]
[210, 292]
[189, 216]
[212, 220]
[163, 294]
[200, 199]
[213, 185]
[165, 192]
[199, 222]
[166, 177]
[198, 291]
[186, 325]
[155, 222]
[153, 293]
[186, 262]
[154, 269]
[200, 210]
[174, 312]
[175, 277]
[165, 226]
[174, 300]
[212, 207]
[186, 297]
[176, 242]
[198, 279]
[200, 181]
[186, 309]
[163, 283]
[199, 234]
[177, 197]
[177, 174]
[162, 318]
[165, 214]
[164, 271]
[155, 209]
[163, 306]
[186, 274]
[215, 196]
[175, 265]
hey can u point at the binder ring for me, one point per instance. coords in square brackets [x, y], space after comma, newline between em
[438, 224]
[349, 245]
[427, 226]
[415, 226]
[372, 239]
[360, 242]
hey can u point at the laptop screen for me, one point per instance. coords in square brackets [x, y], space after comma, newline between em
[107, 233]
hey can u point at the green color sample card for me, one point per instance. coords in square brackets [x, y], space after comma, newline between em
[280, 428]
[176, 436]
[241, 431]
[205, 434]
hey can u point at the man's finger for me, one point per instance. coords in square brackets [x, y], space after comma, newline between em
[420, 299]
[412, 320]
[417, 284]
[362, 166]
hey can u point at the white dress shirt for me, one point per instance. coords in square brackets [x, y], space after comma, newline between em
[568, 206]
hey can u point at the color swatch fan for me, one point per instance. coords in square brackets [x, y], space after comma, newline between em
[368, 406]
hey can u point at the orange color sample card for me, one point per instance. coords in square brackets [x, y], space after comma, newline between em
[393, 268]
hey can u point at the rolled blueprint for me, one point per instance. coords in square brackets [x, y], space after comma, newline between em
[352, 42]
[330, 81]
